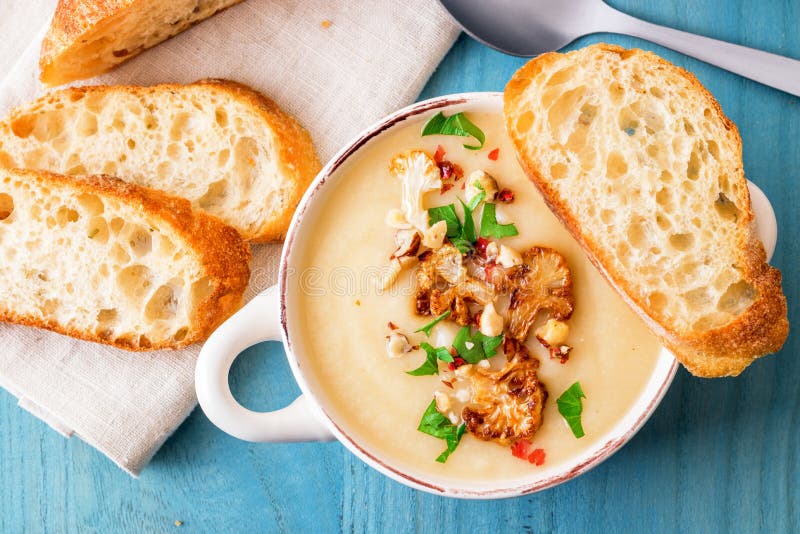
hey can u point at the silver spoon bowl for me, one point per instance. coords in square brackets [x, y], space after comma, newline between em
[532, 27]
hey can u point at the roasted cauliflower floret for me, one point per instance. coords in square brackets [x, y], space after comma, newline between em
[542, 282]
[418, 174]
[506, 405]
[444, 284]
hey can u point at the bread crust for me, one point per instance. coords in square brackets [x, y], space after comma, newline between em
[221, 252]
[294, 148]
[73, 24]
[760, 329]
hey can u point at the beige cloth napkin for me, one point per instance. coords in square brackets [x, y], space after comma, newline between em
[373, 58]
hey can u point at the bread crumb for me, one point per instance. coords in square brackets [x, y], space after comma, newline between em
[326, 24]
[358, 303]
[178, 523]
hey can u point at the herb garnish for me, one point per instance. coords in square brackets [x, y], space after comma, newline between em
[461, 235]
[570, 407]
[475, 347]
[432, 354]
[491, 228]
[457, 124]
[428, 327]
[437, 425]
[448, 215]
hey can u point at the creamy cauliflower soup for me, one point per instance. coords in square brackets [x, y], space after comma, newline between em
[353, 326]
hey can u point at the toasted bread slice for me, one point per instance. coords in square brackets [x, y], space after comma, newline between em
[637, 159]
[226, 148]
[89, 37]
[103, 260]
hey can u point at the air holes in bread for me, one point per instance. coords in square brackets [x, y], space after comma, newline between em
[616, 166]
[221, 117]
[135, 281]
[23, 126]
[179, 124]
[681, 241]
[98, 230]
[726, 208]
[107, 317]
[162, 305]
[139, 241]
[66, 215]
[558, 171]
[6, 206]
[91, 204]
[215, 195]
[737, 297]
[564, 106]
[86, 124]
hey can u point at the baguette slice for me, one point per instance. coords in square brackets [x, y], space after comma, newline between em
[89, 37]
[641, 165]
[226, 148]
[103, 260]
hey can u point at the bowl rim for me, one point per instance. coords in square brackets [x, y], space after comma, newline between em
[631, 422]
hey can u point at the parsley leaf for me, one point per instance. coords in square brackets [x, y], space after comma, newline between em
[430, 366]
[452, 442]
[448, 215]
[457, 124]
[477, 199]
[468, 228]
[491, 228]
[437, 425]
[475, 347]
[570, 407]
[428, 327]
[489, 343]
[462, 236]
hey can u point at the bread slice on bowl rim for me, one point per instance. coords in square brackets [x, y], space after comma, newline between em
[721, 350]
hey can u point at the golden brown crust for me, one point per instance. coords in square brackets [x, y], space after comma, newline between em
[74, 24]
[725, 351]
[294, 148]
[222, 253]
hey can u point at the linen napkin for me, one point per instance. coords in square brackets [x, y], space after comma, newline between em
[336, 66]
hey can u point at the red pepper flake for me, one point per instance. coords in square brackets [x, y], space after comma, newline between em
[506, 196]
[457, 362]
[448, 384]
[480, 246]
[463, 185]
[446, 188]
[493, 154]
[439, 155]
[391, 325]
[523, 449]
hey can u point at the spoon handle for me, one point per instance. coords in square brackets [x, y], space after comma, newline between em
[770, 69]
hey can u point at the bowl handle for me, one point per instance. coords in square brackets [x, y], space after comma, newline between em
[257, 321]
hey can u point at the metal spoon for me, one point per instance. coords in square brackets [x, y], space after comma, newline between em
[532, 27]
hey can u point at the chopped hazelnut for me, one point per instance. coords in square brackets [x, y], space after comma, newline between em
[486, 182]
[553, 333]
[397, 344]
[508, 257]
[407, 241]
[492, 251]
[442, 401]
[433, 238]
[491, 322]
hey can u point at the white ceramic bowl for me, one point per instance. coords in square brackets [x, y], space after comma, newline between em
[269, 317]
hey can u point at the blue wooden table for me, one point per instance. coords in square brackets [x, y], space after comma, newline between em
[717, 456]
